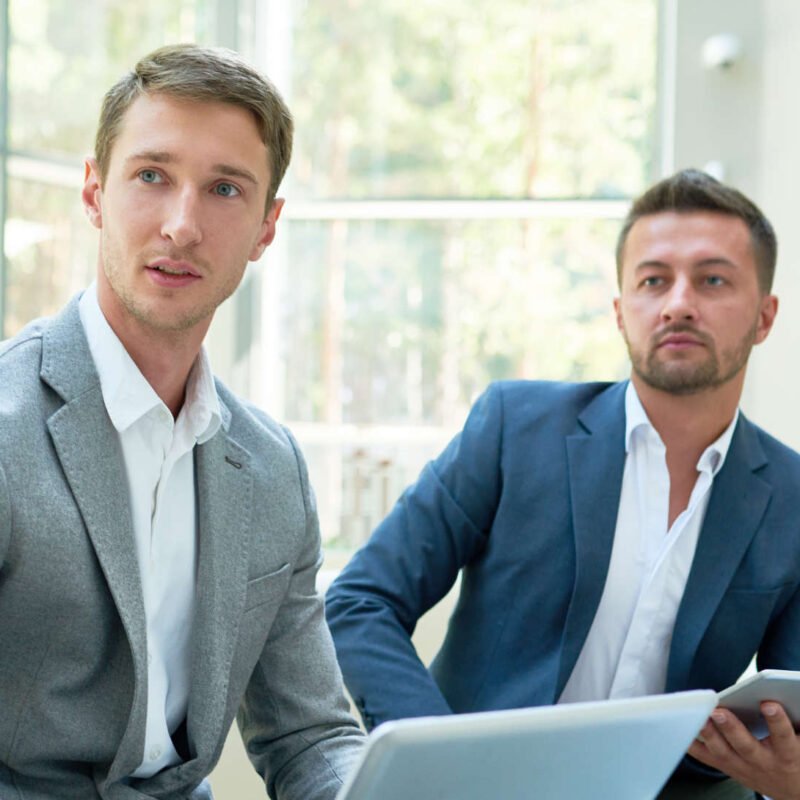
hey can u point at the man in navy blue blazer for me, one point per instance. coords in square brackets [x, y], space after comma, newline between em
[613, 539]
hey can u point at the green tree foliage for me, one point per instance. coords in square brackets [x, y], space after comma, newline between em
[492, 98]
[64, 55]
[444, 99]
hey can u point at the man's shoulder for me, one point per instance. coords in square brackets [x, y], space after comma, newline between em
[250, 424]
[43, 342]
[20, 362]
[23, 345]
[25, 399]
[547, 410]
[547, 397]
[783, 459]
[554, 391]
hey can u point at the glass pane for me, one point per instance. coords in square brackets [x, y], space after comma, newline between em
[64, 55]
[553, 98]
[50, 250]
[358, 474]
[390, 329]
[404, 322]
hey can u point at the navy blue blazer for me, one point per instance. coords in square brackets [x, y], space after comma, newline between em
[523, 503]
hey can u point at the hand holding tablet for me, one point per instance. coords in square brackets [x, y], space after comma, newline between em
[744, 698]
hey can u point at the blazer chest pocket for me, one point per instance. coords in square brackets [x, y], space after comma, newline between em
[738, 625]
[268, 588]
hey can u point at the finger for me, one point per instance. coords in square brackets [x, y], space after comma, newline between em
[738, 739]
[782, 737]
[700, 739]
[711, 747]
[697, 749]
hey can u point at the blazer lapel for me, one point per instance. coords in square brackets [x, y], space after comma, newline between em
[736, 507]
[596, 459]
[88, 449]
[224, 499]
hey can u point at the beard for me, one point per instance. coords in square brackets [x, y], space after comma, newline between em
[143, 310]
[684, 377]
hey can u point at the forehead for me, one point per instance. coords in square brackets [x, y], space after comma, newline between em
[673, 237]
[191, 131]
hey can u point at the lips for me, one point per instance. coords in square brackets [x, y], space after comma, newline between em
[171, 273]
[678, 340]
[681, 340]
[167, 266]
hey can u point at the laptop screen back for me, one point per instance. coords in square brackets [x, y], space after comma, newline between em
[621, 749]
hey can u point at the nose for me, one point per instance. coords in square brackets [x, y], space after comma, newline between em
[680, 302]
[181, 223]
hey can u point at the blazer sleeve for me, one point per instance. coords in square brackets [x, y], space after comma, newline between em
[411, 561]
[295, 718]
[5, 517]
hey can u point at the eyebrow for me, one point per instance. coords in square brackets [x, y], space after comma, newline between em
[706, 262]
[164, 157]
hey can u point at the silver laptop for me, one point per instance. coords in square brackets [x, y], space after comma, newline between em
[620, 749]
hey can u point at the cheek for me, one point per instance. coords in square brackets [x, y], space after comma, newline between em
[640, 312]
[246, 243]
[129, 221]
[637, 322]
[627, 316]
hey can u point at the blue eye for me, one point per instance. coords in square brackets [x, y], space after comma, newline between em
[226, 190]
[714, 280]
[149, 176]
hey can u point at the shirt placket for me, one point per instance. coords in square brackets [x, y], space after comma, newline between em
[161, 749]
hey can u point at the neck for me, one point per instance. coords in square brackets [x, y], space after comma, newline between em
[690, 423]
[165, 365]
[164, 357]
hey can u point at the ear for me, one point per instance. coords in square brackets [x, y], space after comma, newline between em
[766, 317]
[618, 314]
[92, 192]
[267, 232]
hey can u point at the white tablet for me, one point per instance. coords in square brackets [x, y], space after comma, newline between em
[625, 749]
[745, 698]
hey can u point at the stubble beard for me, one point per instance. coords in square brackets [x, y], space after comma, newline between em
[684, 377]
[179, 319]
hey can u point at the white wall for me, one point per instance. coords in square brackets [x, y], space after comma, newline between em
[747, 119]
[775, 375]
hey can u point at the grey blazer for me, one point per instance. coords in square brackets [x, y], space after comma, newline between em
[72, 630]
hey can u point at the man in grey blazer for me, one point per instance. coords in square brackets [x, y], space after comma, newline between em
[158, 537]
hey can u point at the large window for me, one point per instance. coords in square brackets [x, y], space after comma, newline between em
[459, 174]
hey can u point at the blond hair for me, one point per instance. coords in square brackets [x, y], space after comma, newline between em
[203, 74]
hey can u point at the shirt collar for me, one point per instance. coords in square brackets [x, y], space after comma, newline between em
[637, 423]
[202, 403]
[126, 393]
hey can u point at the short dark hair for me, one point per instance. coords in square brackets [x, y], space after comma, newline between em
[204, 74]
[692, 190]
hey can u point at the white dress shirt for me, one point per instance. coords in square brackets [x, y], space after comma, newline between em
[627, 649]
[159, 461]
